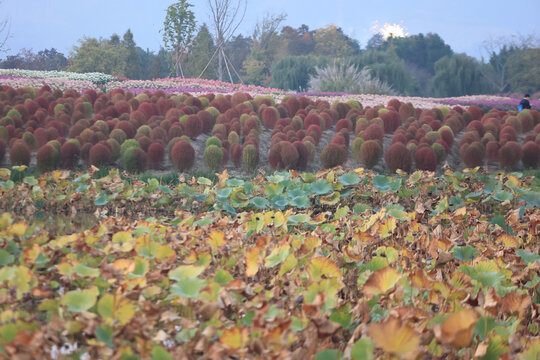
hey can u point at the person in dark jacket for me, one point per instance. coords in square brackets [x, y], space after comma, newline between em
[524, 103]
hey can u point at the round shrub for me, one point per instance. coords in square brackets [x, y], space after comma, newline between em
[270, 116]
[303, 155]
[19, 153]
[128, 144]
[398, 157]
[477, 126]
[99, 155]
[509, 155]
[250, 158]
[236, 154]
[391, 121]
[143, 130]
[333, 155]
[144, 141]
[193, 126]
[134, 160]
[432, 137]
[356, 148]
[29, 139]
[315, 132]
[182, 155]
[47, 158]
[213, 157]
[114, 146]
[233, 138]
[212, 140]
[472, 154]
[126, 127]
[370, 153]
[156, 153]
[426, 159]
[119, 135]
[207, 120]
[288, 154]
[492, 150]
[531, 155]
[373, 132]
[475, 112]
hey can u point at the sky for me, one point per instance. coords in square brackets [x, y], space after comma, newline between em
[464, 25]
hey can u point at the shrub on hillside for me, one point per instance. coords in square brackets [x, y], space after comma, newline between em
[47, 158]
[531, 155]
[182, 155]
[425, 159]
[373, 132]
[213, 157]
[370, 153]
[126, 127]
[398, 157]
[270, 116]
[250, 158]
[99, 156]
[333, 155]
[19, 153]
[156, 154]
[134, 160]
[193, 126]
[472, 154]
[510, 155]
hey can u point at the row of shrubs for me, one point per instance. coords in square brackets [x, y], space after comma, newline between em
[141, 131]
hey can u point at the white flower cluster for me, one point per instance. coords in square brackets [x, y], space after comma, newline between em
[96, 78]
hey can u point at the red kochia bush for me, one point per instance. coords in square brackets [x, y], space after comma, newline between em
[193, 126]
[391, 121]
[2, 150]
[370, 153]
[19, 153]
[312, 119]
[270, 116]
[148, 109]
[46, 158]
[398, 157]
[373, 132]
[207, 120]
[69, 155]
[492, 150]
[510, 154]
[472, 154]
[476, 112]
[182, 155]
[531, 155]
[100, 155]
[126, 127]
[303, 155]
[333, 155]
[289, 154]
[156, 153]
[343, 124]
[425, 159]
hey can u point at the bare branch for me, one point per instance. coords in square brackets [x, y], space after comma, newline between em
[5, 33]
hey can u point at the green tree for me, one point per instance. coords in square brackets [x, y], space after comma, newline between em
[133, 60]
[420, 50]
[524, 70]
[292, 73]
[178, 28]
[94, 55]
[238, 49]
[459, 75]
[200, 54]
[331, 41]
[159, 66]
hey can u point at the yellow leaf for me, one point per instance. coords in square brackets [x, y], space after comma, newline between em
[165, 252]
[252, 261]
[395, 338]
[122, 237]
[235, 338]
[320, 266]
[508, 241]
[216, 239]
[461, 211]
[289, 264]
[386, 229]
[381, 281]
[18, 229]
[458, 329]
[31, 254]
[126, 265]
[186, 271]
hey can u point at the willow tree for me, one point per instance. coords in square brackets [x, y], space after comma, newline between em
[178, 29]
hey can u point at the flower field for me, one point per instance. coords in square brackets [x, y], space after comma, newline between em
[332, 226]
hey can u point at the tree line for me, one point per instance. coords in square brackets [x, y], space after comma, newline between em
[285, 57]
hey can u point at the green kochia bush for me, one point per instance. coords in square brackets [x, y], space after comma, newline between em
[213, 157]
[250, 158]
[134, 160]
[127, 145]
[212, 140]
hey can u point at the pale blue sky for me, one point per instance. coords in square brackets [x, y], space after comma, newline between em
[464, 25]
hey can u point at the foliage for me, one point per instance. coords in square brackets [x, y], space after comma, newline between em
[102, 56]
[213, 157]
[292, 73]
[331, 41]
[333, 155]
[178, 28]
[250, 158]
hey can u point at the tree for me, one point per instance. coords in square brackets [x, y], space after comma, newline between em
[133, 60]
[264, 49]
[158, 68]
[500, 51]
[238, 49]
[524, 70]
[94, 55]
[292, 73]
[331, 41]
[422, 51]
[4, 33]
[459, 75]
[48, 59]
[200, 54]
[226, 16]
[178, 28]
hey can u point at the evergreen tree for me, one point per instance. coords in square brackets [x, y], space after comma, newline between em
[133, 60]
[200, 54]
